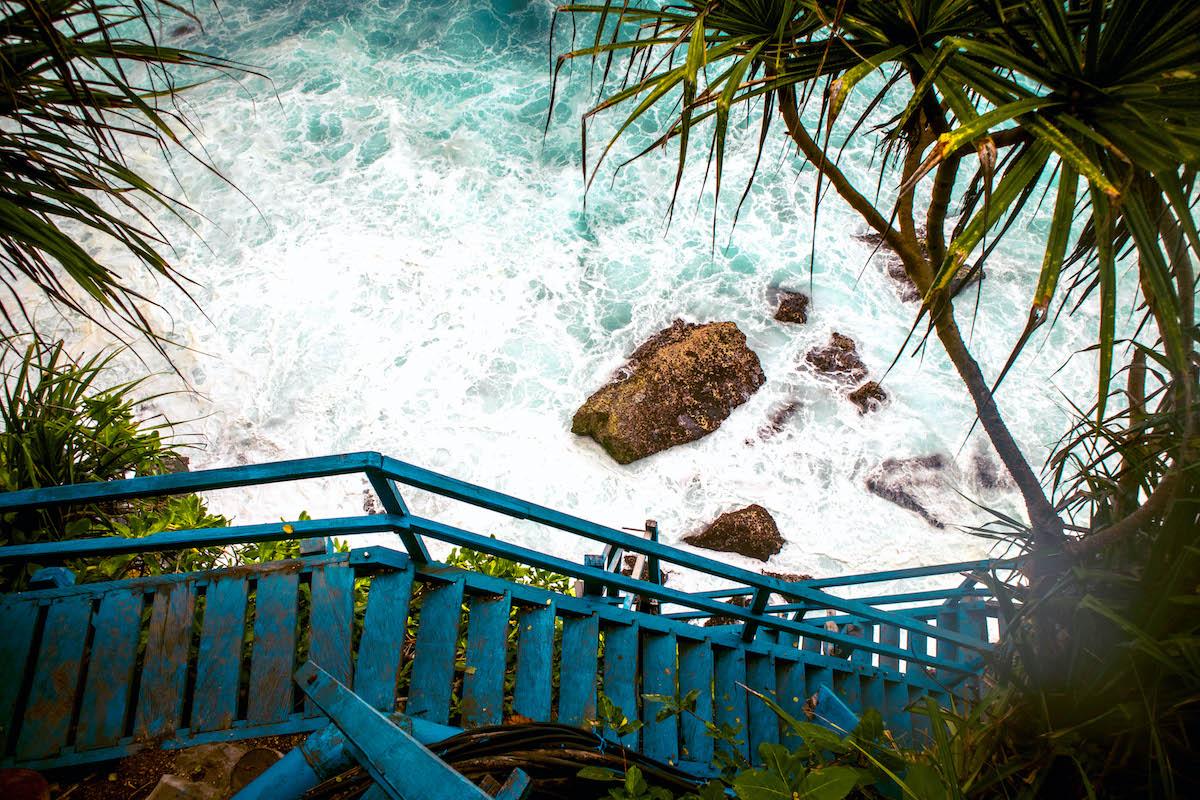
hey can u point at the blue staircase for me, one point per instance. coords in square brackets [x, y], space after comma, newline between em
[97, 671]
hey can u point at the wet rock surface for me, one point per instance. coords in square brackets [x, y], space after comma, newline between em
[678, 386]
[839, 359]
[777, 420]
[793, 307]
[749, 531]
[895, 269]
[911, 482]
[868, 397]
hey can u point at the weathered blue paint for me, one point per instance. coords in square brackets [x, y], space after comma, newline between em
[400, 765]
[621, 675]
[160, 696]
[832, 712]
[47, 718]
[729, 694]
[790, 694]
[382, 644]
[762, 723]
[696, 673]
[330, 623]
[777, 648]
[51, 578]
[578, 673]
[433, 664]
[895, 710]
[20, 619]
[487, 651]
[660, 738]
[535, 655]
[109, 685]
[219, 658]
[272, 652]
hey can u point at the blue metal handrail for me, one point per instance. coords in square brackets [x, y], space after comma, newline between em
[383, 473]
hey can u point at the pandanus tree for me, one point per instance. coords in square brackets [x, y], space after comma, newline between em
[985, 112]
[81, 83]
[1000, 105]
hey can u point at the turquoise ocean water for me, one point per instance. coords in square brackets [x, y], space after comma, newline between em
[409, 267]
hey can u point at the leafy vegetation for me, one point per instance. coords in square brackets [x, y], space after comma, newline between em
[81, 82]
[993, 109]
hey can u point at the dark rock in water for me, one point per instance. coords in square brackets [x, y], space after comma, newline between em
[679, 386]
[838, 359]
[184, 29]
[793, 307]
[742, 602]
[787, 576]
[903, 480]
[630, 561]
[749, 531]
[777, 420]
[990, 473]
[868, 397]
[895, 268]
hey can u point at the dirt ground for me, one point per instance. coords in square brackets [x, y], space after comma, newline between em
[134, 777]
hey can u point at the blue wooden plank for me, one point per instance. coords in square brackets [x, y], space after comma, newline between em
[273, 652]
[811, 644]
[109, 684]
[815, 677]
[433, 663]
[620, 675]
[400, 765]
[535, 659]
[382, 643]
[790, 687]
[865, 632]
[896, 716]
[577, 670]
[873, 694]
[889, 635]
[164, 667]
[219, 657]
[331, 620]
[947, 621]
[729, 696]
[659, 739]
[47, 719]
[763, 724]
[848, 686]
[20, 619]
[487, 652]
[696, 674]
[920, 722]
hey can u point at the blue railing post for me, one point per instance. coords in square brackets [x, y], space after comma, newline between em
[749, 627]
[393, 503]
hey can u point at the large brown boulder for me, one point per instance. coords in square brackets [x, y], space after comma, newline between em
[749, 531]
[839, 359]
[678, 386]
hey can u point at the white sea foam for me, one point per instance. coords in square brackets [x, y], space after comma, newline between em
[416, 275]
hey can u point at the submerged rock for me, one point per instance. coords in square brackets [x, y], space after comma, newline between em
[679, 386]
[868, 397]
[839, 359]
[777, 420]
[989, 472]
[749, 531]
[793, 307]
[895, 269]
[907, 481]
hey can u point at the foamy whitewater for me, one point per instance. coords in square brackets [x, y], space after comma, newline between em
[411, 269]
